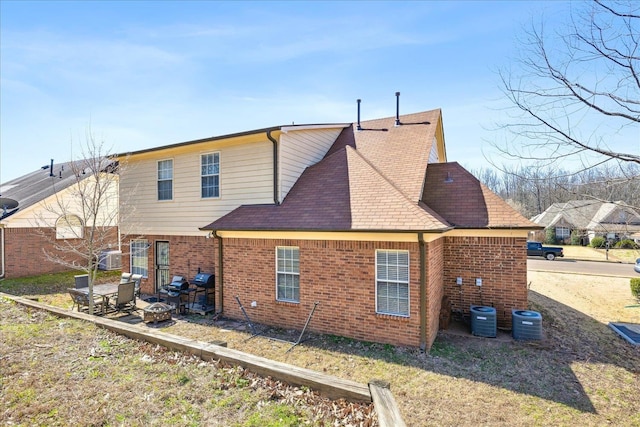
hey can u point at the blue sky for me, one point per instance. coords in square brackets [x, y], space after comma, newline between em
[144, 74]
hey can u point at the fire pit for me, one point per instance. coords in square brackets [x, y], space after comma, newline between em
[157, 312]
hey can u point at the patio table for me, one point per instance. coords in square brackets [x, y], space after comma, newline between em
[106, 291]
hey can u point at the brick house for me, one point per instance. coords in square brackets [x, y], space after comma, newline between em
[367, 219]
[48, 215]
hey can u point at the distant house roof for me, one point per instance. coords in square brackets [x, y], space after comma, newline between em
[30, 189]
[36, 186]
[590, 215]
[377, 179]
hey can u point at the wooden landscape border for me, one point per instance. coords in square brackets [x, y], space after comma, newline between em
[330, 386]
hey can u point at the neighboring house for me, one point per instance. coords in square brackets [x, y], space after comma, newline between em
[46, 214]
[588, 219]
[368, 220]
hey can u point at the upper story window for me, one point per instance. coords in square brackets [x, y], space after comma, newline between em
[392, 282]
[210, 175]
[165, 180]
[69, 227]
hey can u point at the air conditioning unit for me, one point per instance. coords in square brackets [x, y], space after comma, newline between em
[483, 321]
[527, 325]
[110, 260]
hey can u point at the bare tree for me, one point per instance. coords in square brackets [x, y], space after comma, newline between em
[576, 94]
[85, 214]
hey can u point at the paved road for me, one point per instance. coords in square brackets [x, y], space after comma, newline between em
[584, 267]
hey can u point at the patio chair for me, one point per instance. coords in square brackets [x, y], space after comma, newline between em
[137, 279]
[126, 298]
[82, 281]
[81, 302]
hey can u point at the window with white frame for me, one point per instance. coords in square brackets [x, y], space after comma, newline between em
[288, 273]
[392, 282]
[69, 227]
[140, 257]
[165, 179]
[563, 233]
[210, 175]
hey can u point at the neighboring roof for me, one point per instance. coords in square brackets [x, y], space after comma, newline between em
[577, 213]
[590, 215]
[372, 180]
[36, 186]
[465, 202]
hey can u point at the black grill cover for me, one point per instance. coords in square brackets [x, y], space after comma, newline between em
[178, 283]
[204, 280]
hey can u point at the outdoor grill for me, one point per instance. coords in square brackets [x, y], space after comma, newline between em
[178, 284]
[203, 299]
[204, 280]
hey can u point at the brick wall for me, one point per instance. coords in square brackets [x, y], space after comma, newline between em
[24, 252]
[435, 289]
[340, 275]
[186, 255]
[501, 263]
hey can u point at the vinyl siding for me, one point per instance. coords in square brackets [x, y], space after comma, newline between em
[299, 150]
[246, 177]
[46, 212]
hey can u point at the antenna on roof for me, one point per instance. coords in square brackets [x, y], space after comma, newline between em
[358, 127]
[51, 169]
[398, 109]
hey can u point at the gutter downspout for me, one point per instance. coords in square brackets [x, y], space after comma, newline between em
[220, 271]
[275, 168]
[423, 293]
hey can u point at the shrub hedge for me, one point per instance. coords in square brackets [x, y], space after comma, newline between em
[626, 244]
[635, 288]
[598, 242]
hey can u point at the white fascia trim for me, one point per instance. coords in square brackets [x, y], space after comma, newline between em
[286, 129]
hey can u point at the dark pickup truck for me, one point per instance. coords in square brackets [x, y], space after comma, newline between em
[548, 252]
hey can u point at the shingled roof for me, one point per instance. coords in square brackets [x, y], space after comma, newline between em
[465, 202]
[590, 215]
[36, 186]
[373, 180]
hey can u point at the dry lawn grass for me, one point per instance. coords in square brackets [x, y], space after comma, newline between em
[581, 373]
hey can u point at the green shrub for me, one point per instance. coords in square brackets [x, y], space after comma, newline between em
[598, 242]
[550, 236]
[626, 244]
[576, 238]
[635, 288]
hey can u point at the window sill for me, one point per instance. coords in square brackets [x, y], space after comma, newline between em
[396, 317]
[290, 303]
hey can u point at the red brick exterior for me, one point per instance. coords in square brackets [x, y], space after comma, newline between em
[340, 275]
[187, 254]
[24, 252]
[435, 289]
[501, 263]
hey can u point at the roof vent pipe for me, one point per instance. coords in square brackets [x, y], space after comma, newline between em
[398, 109]
[358, 127]
[51, 169]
